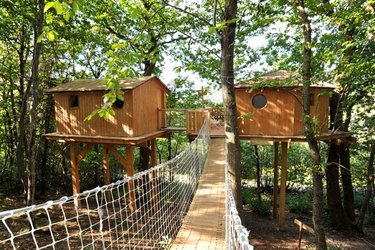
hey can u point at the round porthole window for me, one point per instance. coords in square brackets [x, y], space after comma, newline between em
[259, 101]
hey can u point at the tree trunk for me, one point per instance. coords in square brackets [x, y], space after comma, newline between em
[336, 210]
[318, 220]
[233, 147]
[33, 144]
[369, 189]
[257, 163]
[21, 128]
[347, 185]
[44, 170]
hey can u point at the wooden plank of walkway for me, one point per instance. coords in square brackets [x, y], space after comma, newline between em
[204, 224]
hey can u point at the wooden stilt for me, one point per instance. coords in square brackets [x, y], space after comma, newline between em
[154, 198]
[130, 171]
[75, 173]
[284, 154]
[107, 178]
[275, 178]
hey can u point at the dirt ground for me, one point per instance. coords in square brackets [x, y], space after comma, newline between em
[264, 234]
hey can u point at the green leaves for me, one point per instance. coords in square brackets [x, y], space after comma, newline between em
[248, 116]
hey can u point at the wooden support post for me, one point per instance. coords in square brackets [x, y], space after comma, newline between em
[275, 178]
[154, 193]
[130, 172]
[107, 178]
[75, 173]
[284, 154]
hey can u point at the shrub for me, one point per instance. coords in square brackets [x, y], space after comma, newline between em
[260, 207]
[300, 203]
[371, 212]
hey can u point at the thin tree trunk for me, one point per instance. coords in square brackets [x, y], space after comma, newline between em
[44, 170]
[34, 105]
[318, 220]
[233, 147]
[369, 189]
[347, 185]
[257, 163]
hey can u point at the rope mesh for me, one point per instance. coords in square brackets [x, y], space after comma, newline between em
[236, 235]
[108, 217]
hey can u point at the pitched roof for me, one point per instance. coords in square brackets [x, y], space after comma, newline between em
[81, 85]
[280, 79]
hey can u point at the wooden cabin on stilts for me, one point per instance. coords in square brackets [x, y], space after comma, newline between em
[137, 123]
[269, 111]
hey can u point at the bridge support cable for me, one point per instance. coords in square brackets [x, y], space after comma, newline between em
[104, 219]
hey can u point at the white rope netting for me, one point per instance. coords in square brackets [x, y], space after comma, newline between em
[236, 235]
[107, 217]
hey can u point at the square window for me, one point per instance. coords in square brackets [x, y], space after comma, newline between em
[73, 101]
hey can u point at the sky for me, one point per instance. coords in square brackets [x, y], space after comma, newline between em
[169, 74]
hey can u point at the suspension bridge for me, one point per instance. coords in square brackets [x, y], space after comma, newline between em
[185, 203]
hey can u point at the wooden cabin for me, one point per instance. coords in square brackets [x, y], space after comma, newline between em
[275, 109]
[136, 116]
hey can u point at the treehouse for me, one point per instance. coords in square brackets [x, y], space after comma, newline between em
[136, 116]
[271, 106]
[269, 110]
[137, 122]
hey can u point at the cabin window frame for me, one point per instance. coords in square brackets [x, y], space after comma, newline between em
[118, 104]
[73, 101]
[256, 104]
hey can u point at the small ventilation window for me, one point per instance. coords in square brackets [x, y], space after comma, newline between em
[73, 101]
[118, 103]
[259, 101]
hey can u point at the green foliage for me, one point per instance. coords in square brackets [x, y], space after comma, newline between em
[166, 243]
[299, 164]
[300, 202]
[260, 207]
[248, 116]
[371, 211]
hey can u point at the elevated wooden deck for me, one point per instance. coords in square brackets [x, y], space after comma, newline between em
[204, 225]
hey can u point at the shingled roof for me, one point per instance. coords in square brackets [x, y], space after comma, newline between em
[82, 85]
[280, 79]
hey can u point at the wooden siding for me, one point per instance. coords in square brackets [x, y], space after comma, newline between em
[195, 120]
[71, 120]
[319, 110]
[148, 98]
[276, 118]
[282, 115]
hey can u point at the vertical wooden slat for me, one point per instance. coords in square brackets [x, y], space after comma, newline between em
[275, 178]
[75, 173]
[107, 179]
[130, 171]
[284, 154]
[154, 197]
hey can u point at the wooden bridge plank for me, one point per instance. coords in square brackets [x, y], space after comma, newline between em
[204, 225]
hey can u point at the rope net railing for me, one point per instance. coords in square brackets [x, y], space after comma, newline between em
[144, 211]
[236, 235]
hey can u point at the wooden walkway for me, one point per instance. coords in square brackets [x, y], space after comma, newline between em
[204, 225]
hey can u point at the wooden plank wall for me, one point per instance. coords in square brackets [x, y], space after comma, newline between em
[195, 120]
[282, 116]
[319, 110]
[148, 98]
[276, 118]
[71, 120]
